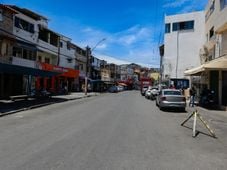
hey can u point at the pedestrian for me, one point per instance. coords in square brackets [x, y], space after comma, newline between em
[192, 96]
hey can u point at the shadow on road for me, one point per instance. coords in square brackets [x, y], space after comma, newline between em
[174, 110]
[199, 132]
[10, 106]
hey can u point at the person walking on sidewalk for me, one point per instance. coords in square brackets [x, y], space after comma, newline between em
[192, 96]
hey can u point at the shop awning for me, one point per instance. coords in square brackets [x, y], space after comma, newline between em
[216, 64]
[16, 69]
[194, 71]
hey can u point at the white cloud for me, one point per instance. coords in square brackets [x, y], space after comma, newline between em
[187, 5]
[175, 3]
[132, 35]
[133, 45]
[110, 59]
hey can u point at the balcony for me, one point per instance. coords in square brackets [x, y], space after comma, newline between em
[211, 43]
[6, 60]
[222, 28]
[23, 62]
[22, 66]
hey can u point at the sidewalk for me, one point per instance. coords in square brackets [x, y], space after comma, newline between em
[217, 120]
[9, 107]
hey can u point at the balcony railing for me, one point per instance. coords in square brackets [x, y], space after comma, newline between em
[6, 60]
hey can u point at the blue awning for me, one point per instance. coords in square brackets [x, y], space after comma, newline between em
[15, 69]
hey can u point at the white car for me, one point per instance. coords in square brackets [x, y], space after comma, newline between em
[154, 92]
[148, 94]
[120, 88]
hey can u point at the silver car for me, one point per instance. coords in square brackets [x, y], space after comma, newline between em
[171, 98]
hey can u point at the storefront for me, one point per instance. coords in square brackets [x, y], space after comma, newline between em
[65, 81]
[18, 80]
[213, 75]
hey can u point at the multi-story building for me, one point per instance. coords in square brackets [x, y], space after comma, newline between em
[95, 68]
[7, 40]
[81, 64]
[126, 72]
[19, 68]
[213, 55]
[184, 35]
[35, 56]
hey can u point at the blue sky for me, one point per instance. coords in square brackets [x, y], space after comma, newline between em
[133, 29]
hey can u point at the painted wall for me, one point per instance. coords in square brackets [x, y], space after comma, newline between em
[184, 45]
[25, 35]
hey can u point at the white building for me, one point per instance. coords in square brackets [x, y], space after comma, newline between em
[67, 53]
[184, 36]
[126, 72]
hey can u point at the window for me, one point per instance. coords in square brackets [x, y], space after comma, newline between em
[187, 25]
[17, 52]
[223, 3]
[25, 54]
[1, 15]
[212, 7]
[68, 45]
[167, 28]
[70, 60]
[47, 60]
[39, 58]
[22, 24]
[54, 39]
[81, 67]
[183, 25]
[211, 32]
[177, 93]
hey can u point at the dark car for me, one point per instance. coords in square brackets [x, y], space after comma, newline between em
[143, 90]
[113, 89]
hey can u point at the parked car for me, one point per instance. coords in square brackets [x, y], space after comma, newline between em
[113, 89]
[143, 90]
[171, 98]
[120, 88]
[154, 92]
[148, 93]
[41, 93]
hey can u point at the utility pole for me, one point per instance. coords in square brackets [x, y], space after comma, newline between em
[177, 54]
[88, 57]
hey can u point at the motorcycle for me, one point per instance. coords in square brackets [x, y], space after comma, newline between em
[42, 93]
[207, 98]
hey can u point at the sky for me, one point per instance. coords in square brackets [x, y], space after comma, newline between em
[132, 29]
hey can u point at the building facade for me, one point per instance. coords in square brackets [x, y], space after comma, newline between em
[212, 72]
[31, 56]
[184, 35]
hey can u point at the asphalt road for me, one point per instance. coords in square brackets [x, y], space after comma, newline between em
[121, 131]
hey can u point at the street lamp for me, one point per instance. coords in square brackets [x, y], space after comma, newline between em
[88, 56]
[99, 42]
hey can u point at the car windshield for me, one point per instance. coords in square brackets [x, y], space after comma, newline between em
[177, 93]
